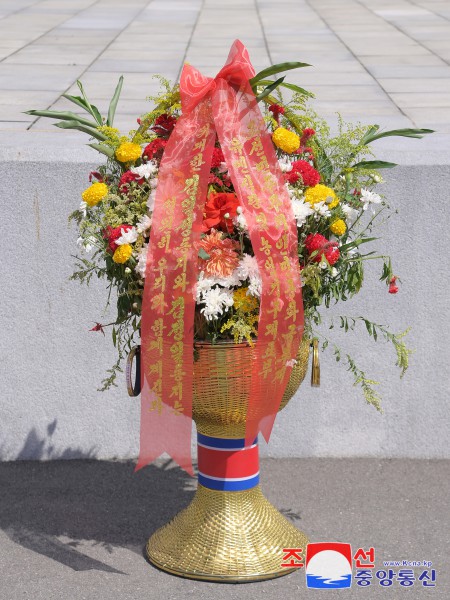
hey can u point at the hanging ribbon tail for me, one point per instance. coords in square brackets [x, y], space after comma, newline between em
[225, 105]
[153, 440]
[258, 182]
[167, 329]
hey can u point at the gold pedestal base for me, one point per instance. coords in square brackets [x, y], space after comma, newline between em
[226, 536]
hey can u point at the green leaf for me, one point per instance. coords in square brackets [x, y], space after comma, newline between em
[114, 336]
[203, 254]
[290, 86]
[78, 100]
[374, 164]
[106, 150]
[372, 134]
[356, 243]
[266, 91]
[274, 69]
[65, 115]
[92, 109]
[113, 103]
[75, 125]
[369, 135]
[324, 164]
[297, 88]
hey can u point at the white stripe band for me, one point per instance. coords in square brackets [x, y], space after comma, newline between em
[228, 478]
[226, 449]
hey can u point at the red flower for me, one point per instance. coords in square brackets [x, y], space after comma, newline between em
[164, 125]
[98, 176]
[309, 175]
[126, 179]
[98, 327]
[155, 149]
[307, 133]
[393, 289]
[217, 158]
[315, 242]
[219, 211]
[276, 110]
[292, 177]
[112, 234]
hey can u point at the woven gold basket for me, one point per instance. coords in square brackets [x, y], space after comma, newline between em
[238, 535]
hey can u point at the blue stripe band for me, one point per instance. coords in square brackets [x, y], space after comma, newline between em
[214, 442]
[227, 485]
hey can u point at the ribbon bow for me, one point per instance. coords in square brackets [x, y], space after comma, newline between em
[227, 108]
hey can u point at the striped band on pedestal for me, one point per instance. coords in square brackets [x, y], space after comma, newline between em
[227, 464]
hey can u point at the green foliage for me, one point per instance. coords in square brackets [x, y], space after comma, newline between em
[366, 384]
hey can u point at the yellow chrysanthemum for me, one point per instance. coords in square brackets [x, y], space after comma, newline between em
[122, 253]
[95, 193]
[321, 193]
[286, 140]
[128, 152]
[244, 302]
[338, 227]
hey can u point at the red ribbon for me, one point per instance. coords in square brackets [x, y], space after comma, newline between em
[224, 106]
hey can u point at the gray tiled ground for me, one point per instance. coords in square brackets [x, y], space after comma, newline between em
[76, 529]
[385, 61]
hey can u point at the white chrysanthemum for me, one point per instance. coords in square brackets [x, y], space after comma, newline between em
[216, 301]
[83, 208]
[86, 245]
[205, 283]
[301, 210]
[291, 191]
[151, 200]
[368, 197]
[334, 272]
[144, 224]
[222, 168]
[146, 170]
[142, 261]
[321, 209]
[351, 214]
[128, 236]
[239, 220]
[285, 165]
[248, 269]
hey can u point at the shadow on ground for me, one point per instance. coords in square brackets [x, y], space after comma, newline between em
[88, 500]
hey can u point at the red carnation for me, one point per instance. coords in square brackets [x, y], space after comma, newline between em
[217, 158]
[219, 211]
[276, 110]
[315, 242]
[164, 125]
[393, 289]
[126, 179]
[307, 133]
[292, 177]
[310, 176]
[112, 234]
[155, 149]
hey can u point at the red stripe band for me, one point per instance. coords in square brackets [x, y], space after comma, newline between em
[228, 464]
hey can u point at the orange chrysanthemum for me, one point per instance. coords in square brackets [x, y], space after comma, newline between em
[223, 258]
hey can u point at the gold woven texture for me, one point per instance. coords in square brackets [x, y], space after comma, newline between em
[222, 377]
[227, 536]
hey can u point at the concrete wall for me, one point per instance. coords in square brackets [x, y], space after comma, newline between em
[52, 365]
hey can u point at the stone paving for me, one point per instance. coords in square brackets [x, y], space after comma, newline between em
[385, 61]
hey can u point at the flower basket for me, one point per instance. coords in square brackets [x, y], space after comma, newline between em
[226, 232]
[229, 532]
